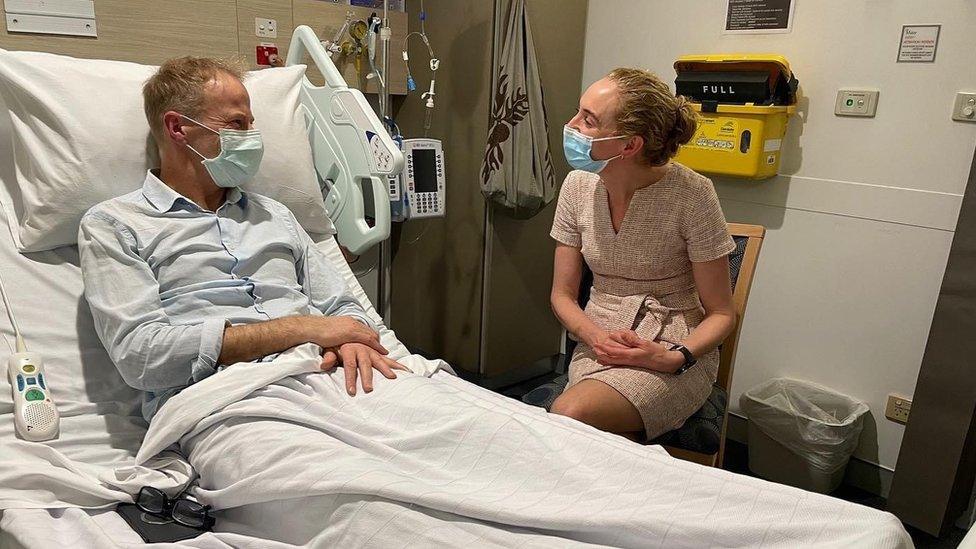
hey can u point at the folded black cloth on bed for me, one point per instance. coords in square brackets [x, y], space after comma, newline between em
[154, 528]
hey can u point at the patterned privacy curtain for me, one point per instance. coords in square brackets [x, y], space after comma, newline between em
[517, 172]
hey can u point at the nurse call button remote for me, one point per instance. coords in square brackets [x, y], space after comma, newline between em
[35, 415]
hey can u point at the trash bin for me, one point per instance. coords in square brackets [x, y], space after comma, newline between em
[801, 433]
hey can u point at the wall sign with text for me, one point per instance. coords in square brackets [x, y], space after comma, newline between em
[759, 16]
[918, 43]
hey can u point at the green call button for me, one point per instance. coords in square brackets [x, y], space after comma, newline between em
[34, 394]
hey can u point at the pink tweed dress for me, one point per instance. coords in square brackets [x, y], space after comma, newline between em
[642, 280]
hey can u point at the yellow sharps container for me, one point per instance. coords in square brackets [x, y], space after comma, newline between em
[744, 103]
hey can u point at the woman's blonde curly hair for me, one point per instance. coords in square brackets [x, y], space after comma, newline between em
[647, 108]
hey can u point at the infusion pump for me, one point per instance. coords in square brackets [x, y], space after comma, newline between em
[420, 192]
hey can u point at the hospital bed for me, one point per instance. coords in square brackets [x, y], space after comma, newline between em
[92, 462]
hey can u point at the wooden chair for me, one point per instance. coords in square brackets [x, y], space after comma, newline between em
[702, 438]
[742, 267]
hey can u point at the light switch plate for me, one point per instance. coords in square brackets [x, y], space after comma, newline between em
[856, 102]
[265, 28]
[964, 109]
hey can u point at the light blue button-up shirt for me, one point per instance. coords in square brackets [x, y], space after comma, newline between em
[163, 277]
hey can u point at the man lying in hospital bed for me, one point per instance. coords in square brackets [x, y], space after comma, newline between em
[286, 454]
[190, 273]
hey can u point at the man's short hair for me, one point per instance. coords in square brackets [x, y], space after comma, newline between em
[180, 85]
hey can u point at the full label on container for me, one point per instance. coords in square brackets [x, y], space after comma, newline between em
[716, 134]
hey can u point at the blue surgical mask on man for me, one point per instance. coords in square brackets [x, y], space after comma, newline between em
[239, 159]
[578, 148]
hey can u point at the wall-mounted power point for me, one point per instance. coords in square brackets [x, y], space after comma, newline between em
[964, 109]
[898, 408]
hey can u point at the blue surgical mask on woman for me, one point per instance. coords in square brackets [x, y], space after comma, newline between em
[239, 159]
[578, 148]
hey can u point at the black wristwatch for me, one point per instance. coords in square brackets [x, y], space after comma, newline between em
[690, 359]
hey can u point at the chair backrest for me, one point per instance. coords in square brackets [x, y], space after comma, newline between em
[742, 267]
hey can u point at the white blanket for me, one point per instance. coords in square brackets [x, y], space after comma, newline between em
[289, 456]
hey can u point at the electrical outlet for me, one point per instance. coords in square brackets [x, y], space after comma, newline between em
[265, 28]
[964, 109]
[898, 408]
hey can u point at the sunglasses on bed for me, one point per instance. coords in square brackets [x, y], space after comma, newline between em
[182, 510]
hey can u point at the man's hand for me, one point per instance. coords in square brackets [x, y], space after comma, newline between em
[329, 359]
[332, 332]
[633, 350]
[246, 342]
[358, 360]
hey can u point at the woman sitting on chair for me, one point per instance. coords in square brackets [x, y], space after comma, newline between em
[654, 235]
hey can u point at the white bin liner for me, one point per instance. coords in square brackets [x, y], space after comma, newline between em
[814, 422]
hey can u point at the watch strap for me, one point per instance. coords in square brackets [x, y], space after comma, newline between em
[690, 359]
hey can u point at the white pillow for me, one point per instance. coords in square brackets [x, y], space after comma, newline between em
[80, 136]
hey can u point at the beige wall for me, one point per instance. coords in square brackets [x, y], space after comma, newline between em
[437, 280]
[151, 31]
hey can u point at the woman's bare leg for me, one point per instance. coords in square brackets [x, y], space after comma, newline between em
[600, 405]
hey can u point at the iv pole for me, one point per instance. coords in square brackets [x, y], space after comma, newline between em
[384, 283]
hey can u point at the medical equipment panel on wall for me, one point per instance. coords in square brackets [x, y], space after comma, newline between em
[744, 104]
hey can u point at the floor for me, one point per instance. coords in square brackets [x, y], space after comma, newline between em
[516, 391]
[736, 460]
